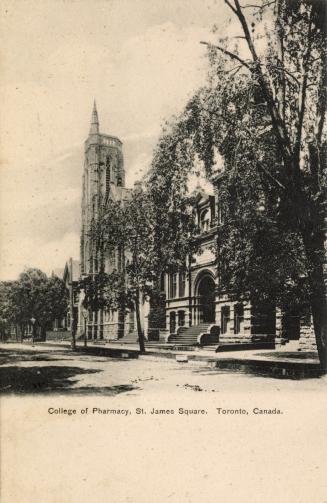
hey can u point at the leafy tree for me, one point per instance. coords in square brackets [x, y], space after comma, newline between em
[265, 114]
[7, 311]
[152, 233]
[36, 295]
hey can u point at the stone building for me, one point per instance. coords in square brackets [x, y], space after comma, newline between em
[194, 312]
[103, 179]
[197, 314]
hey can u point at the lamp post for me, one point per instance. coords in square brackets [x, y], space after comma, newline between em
[33, 320]
[137, 295]
[85, 314]
[71, 306]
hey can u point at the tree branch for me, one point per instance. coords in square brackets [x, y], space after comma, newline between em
[277, 182]
[322, 100]
[261, 7]
[231, 6]
[278, 125]
[303, 92]
[283, 69]
[228, 53]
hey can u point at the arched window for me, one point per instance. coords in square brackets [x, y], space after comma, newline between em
[172, 322]
[181, 318]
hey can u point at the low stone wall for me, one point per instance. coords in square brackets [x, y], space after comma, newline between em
[111, 331]
[307, 340]
[57, 335]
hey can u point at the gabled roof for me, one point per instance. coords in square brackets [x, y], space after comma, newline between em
[58, 271]
[72, 270]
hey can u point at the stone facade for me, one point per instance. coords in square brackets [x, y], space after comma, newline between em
[103, 179]
[191, 293]
[192, 297]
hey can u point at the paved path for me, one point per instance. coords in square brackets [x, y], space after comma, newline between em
[282, 355]
[50, 369]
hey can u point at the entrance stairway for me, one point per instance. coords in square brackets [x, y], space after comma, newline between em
[189, 336]
[184, 337]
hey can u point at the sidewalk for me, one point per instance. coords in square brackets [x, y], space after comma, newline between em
[277, 363]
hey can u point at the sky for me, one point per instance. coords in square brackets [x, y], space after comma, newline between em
[140, 59]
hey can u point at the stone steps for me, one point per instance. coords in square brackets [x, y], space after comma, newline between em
[189, 337]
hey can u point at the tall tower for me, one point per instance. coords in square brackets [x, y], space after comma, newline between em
[103, 178]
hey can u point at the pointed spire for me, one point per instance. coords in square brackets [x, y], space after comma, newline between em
[94, 121]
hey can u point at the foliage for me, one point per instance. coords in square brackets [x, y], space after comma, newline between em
[33, 295]
[6, 306]
[263, 111]
[154, 229]
[105, 290]
[266, 116]
[170, 204]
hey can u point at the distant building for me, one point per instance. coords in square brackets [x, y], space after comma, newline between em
[70, 274]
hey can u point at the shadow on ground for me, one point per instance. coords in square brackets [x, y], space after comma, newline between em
[52, 379]
[271, 372]
[292, 355]
[12, 356]
[18, 379]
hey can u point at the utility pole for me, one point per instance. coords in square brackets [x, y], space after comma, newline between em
[71, 302]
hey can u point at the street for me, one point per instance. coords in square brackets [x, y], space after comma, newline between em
[190, 432]
[37, 370]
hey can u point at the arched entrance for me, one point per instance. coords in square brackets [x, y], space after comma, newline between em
[206, 293]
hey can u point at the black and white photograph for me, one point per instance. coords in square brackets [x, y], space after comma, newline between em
[163, 236]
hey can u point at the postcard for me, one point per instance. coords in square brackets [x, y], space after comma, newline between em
[163, 318]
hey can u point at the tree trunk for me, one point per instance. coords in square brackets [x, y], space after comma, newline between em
[43, 333]
[319, 315]
[72, 320]
[138, 322]
[33, 333]
[314, 247]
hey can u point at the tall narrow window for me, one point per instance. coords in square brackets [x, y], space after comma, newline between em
[162, 282]
[107, 175]
[181, 318]
[225, 318]
[181, 284]
[173, 285]
[172, 322]
[238, 318]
